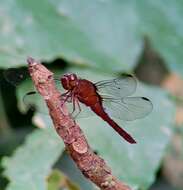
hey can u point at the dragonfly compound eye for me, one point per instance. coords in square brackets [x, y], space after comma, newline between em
[73, 77]
[65, 82]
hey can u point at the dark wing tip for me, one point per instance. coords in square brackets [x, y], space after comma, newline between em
[144, 98]
[131, 140]
[127, 75]
[149, 103]
[30, 93]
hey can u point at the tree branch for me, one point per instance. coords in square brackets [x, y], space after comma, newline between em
[90, 164]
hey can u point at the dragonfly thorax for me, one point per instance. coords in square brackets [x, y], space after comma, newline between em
[69, 81]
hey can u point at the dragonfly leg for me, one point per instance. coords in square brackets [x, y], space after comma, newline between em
[66, 93]
[65, 97]
[75, 103]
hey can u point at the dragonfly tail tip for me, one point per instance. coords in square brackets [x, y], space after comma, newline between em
[132, 141]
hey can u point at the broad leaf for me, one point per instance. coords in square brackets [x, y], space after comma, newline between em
[104, 34]
[31, 163]
[84, 32]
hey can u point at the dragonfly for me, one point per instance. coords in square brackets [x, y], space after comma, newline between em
[107, 99]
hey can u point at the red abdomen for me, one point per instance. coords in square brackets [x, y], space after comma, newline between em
[87, 94]
[98, 109]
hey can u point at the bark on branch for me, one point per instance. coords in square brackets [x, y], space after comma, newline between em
[90, 164]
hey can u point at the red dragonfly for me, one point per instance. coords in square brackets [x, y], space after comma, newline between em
[107, 99]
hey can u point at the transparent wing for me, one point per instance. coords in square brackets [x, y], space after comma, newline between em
[77, 114]
[128, 108]
[119, 87]
[31, 99]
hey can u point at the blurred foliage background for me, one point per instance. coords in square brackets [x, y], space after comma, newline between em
[97, 39]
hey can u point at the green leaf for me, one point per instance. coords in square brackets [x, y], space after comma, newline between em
[31, 163]
[105, 34]
[97, 33]
[57, 180]
[135, 164]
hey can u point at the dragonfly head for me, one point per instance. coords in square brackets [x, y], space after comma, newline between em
[69, 81]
